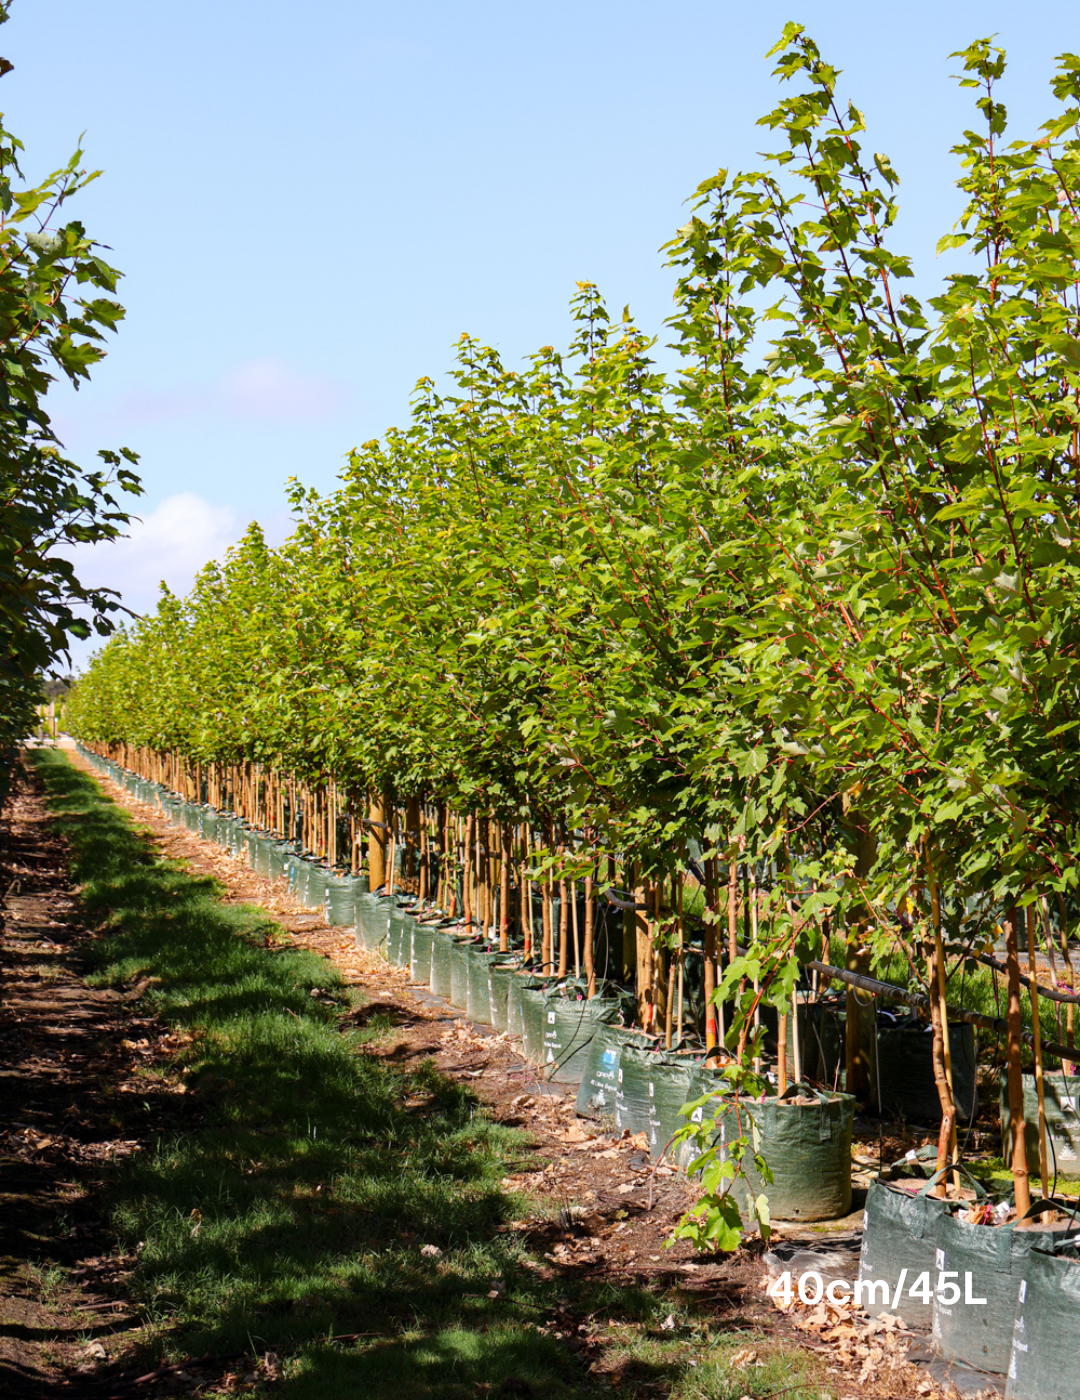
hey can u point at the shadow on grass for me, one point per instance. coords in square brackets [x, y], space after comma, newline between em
[300, 1208]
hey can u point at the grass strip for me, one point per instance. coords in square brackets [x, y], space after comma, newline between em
[300, 1200]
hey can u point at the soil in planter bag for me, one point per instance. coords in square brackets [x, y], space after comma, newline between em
[807, 1147]
[900, 1240]
[905, 1065]
[570, 1022]
[1061, 1097]
[980, 1334]
[1045, 1362]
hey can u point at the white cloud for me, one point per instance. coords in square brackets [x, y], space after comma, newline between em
[169, 544]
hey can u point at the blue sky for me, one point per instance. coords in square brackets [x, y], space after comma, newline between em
[311, 203]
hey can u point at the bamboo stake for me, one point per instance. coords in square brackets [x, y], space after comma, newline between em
[1036, 1029]
[590, 952]
[682, 953]
[507, 853]
[1018, 1155]
[941, 1024]
[708, 940]
[781, 1055]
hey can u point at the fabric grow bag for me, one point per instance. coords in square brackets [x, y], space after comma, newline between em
[632, 1092]
[478, 990]
[397, 951]
[600, 1073]
[900, 1234]
[277, 855]
[674, 1079]
[1044, 1363]
[459, 971]
[570, 1022]
[533, 1006]
[1061, 1094]
[906, 1069]
[208, 824]
[341, 893]
[317, 878]
[980, 1335]
[442, 944]
[807, 1147]
[375, 918]
[522, 980]
[500, 973]
[420, 950]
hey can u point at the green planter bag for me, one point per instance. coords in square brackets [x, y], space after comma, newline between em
[570, 1023]
[420, 950]
[993, 1258]
[899, 1245]
[600, 1073]
[675, 1079]
[374, 920]
[1061, 1095]
[397, 950]
[533, 1005]
[807, 1147]
[500, 974]
[478, 991]
[459, 971]
[904, 1064]
[315, 883]
[1044, 1363]
[521, 982]
[442, 944]
[632, 1092]
[341, 895]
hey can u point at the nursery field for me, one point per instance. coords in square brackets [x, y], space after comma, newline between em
[693, 738]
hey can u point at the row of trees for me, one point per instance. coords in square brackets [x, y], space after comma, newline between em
[807, 602]
[57, 303]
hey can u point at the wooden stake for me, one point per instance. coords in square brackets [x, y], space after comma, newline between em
[1036, 1028]
[1018, 1153]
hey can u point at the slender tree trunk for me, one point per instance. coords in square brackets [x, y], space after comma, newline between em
[590, 952]
[377, 843]
[507, 854]
[1018, 1146]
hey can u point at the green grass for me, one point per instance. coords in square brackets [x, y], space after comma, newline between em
[289, 1208]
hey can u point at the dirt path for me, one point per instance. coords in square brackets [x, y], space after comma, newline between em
[68, 1070]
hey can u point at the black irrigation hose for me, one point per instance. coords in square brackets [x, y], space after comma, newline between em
[1051, 993]
[922, 1003]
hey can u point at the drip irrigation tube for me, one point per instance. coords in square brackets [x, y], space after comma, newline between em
[1051, 993]
[922, 1003]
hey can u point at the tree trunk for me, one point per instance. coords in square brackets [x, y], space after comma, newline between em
[1017, 1147]
[376, 841]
